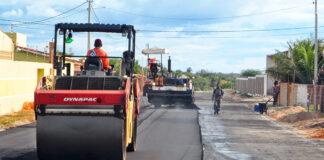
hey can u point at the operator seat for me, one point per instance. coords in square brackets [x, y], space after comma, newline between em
[93, 64]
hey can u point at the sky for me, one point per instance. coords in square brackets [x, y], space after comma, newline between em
[226, 37]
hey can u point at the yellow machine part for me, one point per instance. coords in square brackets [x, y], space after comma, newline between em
[129, 122]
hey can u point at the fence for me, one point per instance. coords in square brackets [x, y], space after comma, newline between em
[320, 97]
[292, 94]
[253, 85]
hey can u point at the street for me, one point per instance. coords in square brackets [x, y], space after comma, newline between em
[172, 132]
[169, 133]
[139, 80]
[239, 133]
[163, 133]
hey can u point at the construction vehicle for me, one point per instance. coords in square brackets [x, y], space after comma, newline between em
[92, 115]
[163, 88]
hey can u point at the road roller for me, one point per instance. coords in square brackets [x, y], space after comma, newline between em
[91, 115]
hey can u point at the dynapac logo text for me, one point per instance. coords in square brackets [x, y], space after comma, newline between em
[75, 99]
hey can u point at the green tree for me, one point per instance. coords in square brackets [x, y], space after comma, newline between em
[297, 65]
[302, 52]
[250, 72]
[189, 70]
[116, 63]
[284, 69]
[201, 84]
[137, 68]
[178, 73]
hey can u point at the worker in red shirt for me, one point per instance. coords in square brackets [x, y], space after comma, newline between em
[97, 51]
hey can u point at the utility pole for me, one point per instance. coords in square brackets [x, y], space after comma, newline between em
[89, 21]
[11, 28]
[315, 59]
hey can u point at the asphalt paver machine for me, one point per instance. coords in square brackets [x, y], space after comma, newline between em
[164, 88]
[92, 115]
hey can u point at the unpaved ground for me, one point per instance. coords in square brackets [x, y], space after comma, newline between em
[16, 119]
[240, 133]
[308, 124]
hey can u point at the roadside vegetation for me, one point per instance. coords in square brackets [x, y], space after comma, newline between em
[16, 119]
[250, 73]
[204, 80]
[297, 65]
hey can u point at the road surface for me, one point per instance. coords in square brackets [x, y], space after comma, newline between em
[169, 133]
[240, 133]
[163, 133]
[173, 133]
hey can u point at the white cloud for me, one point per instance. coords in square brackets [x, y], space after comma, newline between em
[40, 10]
[226, 66]
[50, 12]
[13, 12]
[248, 50]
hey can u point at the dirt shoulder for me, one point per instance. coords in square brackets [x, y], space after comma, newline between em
[309, 124]
[16, 119]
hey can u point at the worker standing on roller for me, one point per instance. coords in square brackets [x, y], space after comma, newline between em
[217, 96]
[97, 51]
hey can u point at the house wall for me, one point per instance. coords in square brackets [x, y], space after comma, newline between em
[293, 94]
[25, 56]
[18, 39]
[270, 79]
[6, 47]
[17, 83]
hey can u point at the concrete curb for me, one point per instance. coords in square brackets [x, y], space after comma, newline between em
[200, 134]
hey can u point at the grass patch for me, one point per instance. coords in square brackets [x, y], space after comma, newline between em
[311, 108]
[246, 95]
[228, 90]
[15, 119]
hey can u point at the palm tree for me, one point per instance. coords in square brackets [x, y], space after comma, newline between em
[284, 69]
[303, 57]
[299, 65]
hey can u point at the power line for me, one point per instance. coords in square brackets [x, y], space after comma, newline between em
[225, 37]
[38, 22]
[100, 22]
[68, 15]
[23, 22]
[19, 26]
[229, 31]
[95, 15]
[59, 14]
[208, 18]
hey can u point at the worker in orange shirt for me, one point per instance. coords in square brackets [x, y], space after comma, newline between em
[97, 51]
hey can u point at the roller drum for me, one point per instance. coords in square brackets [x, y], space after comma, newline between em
[80, 137]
